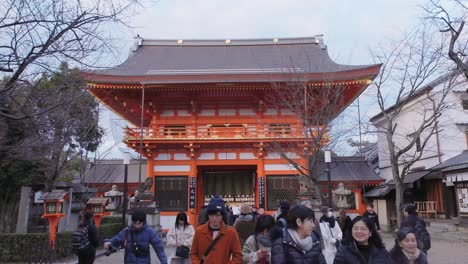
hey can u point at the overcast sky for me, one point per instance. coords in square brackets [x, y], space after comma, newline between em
[350, 27]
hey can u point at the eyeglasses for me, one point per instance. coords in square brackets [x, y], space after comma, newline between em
[362, 229]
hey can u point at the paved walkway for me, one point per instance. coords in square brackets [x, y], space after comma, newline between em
[447, 248]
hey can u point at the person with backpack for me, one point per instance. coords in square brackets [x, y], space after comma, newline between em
[413, 221]
[136, 240]
[84, 239]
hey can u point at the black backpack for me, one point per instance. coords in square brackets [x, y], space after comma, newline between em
[80, 239]
[422, 236]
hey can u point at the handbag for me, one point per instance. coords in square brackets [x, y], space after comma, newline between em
[338, 242]
[181, 251]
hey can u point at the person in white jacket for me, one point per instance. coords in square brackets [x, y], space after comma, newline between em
[179, 235]
[331, 234]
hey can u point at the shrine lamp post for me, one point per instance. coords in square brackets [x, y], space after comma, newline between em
[327, 170]
[126, 161]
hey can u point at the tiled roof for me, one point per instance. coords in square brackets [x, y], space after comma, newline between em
[111, 171]
[201, 57]
[350, 169]
[455, 163]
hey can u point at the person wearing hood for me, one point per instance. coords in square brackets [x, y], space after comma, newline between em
[406, 249]
[136, 240]
[331, 234]
[245, 224]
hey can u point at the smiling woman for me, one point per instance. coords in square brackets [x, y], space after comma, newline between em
[365, 247]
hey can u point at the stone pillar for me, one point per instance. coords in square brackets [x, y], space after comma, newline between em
[23, 211]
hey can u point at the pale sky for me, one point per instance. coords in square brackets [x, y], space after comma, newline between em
[351, 28]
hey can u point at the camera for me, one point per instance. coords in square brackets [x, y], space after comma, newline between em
[139, 251]
[110, 249]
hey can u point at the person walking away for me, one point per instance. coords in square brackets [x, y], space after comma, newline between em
[413, 221]
[372, 215]
[366, 246]
[136, 240]
[245, 224]
[215, 242]
[331, 234]
[297, 243]
[344, 221]
[87, 241]
[406, 250]
[257, 247]
[181, 235]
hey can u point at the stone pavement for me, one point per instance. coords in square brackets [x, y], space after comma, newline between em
[447, 248]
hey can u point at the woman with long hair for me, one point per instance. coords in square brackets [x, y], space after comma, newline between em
[365, 247]
[179, 235]
[297, 243]
[257, 247]
[406, 249]
[87, 255]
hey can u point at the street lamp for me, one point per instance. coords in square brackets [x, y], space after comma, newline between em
[126, 161]
[327, 170]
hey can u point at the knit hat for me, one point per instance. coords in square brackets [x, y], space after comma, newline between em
[245, 208]
[215, 205]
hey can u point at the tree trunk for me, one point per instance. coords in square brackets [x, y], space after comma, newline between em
[399, 200]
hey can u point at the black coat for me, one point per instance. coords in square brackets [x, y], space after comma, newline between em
[286, 251]
[373, 219]
[349, 254]
[398, 257]
[86, 256]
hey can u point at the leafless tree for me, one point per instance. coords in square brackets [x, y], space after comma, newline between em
[450, 16]
[37, 35]
[408, 83]
[315, 107]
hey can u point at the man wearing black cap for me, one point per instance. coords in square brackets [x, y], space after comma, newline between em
[215, 242]
[136, 239]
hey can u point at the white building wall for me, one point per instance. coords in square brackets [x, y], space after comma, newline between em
[452, 139]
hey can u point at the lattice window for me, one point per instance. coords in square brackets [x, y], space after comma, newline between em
[279, 129]
[172, 193]
[174, 130]
[281, 188]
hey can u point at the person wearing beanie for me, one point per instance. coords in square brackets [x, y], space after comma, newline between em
[331, 234]
[136, 239]
[245, 224]
[216, 232]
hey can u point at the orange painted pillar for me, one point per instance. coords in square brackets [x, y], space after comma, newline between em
[150, 170]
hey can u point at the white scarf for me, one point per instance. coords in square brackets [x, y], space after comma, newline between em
[412, 257]
[306, 243]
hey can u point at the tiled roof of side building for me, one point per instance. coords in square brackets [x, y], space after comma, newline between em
[351, 169]
[256, 56]
[455, 163]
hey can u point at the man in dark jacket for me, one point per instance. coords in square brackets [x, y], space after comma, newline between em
[136, 239]
[413, 221]
[86, 256]
[372, 216]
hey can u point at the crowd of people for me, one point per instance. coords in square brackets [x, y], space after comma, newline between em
[290, 235]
